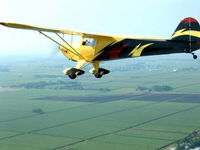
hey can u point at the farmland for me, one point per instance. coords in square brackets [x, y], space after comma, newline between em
[42, 109]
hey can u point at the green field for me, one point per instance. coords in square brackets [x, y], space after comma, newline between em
[98, 114]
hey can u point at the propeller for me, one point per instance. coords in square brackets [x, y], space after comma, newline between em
[70, 49]
[55, 50]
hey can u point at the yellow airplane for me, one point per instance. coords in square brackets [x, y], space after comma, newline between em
[95, 48]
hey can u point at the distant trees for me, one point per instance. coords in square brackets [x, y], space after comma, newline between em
[59, 85]
[189, 69]
[38, 110]
[142, 88]
[161, 88]
[180, 147]
[35, 85]
[156, 88]
[190, 142]
[48, 76]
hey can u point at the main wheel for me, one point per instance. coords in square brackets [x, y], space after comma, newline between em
[97, 75]
[72, 76]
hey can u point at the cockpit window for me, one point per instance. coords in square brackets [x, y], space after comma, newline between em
[89, 42]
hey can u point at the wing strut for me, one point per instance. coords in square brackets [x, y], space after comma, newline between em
[75, 53]
[70, 45]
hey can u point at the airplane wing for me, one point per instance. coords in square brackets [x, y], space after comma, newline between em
[92, 35]
[40, 29]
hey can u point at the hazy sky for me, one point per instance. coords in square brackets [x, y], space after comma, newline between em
[134, 17]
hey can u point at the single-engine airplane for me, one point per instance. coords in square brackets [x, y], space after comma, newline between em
[95, 48]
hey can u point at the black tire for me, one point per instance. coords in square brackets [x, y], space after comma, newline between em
[73, 76]
[97, 75]
[195, 56]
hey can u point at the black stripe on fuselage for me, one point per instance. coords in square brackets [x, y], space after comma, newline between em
[123, 48]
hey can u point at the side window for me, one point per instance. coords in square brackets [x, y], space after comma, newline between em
[89, 42]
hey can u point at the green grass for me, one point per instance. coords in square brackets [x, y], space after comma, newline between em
[183, 122]
[34, 142]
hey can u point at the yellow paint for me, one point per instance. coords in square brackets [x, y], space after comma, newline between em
[183, 32]
[138, 50]
[80, 64]
[96, 65]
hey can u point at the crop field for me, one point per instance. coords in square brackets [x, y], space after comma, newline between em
[143, 104]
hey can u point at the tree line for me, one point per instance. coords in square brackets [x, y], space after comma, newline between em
[156, 88]
[58, 85]
[190, 142]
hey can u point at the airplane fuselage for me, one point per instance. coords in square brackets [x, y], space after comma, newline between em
[131, 48]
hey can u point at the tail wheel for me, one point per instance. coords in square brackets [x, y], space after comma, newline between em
[195, 56]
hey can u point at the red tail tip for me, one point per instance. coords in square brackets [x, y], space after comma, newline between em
[189, 20]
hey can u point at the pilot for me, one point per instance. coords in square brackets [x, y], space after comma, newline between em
[86, 42]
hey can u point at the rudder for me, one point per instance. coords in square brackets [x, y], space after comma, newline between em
[187, 30]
